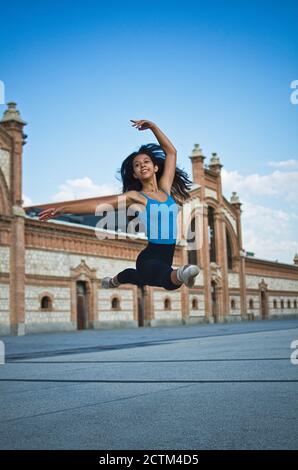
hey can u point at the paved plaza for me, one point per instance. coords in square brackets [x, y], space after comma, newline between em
[221, 386]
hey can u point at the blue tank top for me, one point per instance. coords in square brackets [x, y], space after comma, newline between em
[160, 219]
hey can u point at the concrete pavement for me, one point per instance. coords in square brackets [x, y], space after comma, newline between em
[222, 386]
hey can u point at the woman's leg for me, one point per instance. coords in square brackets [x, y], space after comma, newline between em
[174, 278]
[158, 273]
[154, 266]
[129, 276]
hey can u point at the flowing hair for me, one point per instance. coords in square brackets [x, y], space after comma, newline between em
[181, 183]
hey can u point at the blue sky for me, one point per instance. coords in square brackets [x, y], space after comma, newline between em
[216, 73]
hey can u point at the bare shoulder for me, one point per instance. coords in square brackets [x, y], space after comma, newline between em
[136, 196]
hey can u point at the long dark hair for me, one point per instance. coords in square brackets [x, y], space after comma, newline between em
[181, 183]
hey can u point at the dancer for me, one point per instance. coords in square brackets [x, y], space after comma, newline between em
[153, 182]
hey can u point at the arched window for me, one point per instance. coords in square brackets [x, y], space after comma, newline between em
[191, 233]
[167, 304]
[115, 303]
[251, 303]
[289, 304]
[233, 304]
[281, 304]
[295, 303]
[194, 304]
[46, 303]
[274, 304]
[229, 250]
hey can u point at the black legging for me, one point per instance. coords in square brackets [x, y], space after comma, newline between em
[154, 267]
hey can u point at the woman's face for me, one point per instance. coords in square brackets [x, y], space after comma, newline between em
[143, 167]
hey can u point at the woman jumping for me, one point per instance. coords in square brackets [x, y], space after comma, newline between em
[152, 181]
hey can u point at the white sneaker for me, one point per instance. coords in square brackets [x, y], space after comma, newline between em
[187, 274]
[107, 283]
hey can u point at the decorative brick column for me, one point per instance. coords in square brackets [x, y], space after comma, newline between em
[149, 312]
[221, 260]
[17, 273]
[241, 253]
[206, 266]
[220, 240]
[197, 161]
[183, 289]
[13, 125]
[198, 174]
[135, 304]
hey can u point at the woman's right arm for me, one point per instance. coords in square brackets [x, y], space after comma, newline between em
[89, 206]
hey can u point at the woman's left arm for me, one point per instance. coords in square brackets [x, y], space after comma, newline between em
[168, 175]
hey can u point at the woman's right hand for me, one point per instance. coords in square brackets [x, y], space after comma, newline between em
[49, 213]
[143, 124]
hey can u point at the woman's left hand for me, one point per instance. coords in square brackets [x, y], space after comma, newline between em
[142, 124]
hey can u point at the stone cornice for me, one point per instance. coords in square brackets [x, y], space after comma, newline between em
[272, 292]
[254, 262]
[5, 219]
[48, 228]
[83, 244]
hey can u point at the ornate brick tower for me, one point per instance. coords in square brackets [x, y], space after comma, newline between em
[222, 238]
[12, 214]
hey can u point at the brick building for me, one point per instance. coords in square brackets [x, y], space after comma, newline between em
[50, 272]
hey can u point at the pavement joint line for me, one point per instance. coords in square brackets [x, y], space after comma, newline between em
[88, 405]
[89, 349]
[152, 361]
[218, 381]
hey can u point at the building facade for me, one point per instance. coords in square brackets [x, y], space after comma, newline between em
[50, 272]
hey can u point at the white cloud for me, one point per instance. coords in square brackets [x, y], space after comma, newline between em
[271, 233]
[285, 164]
[278, 184]
[27, 201]
[82, 188]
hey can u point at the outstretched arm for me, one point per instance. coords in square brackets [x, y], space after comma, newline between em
[168, 175]
[87, 206]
